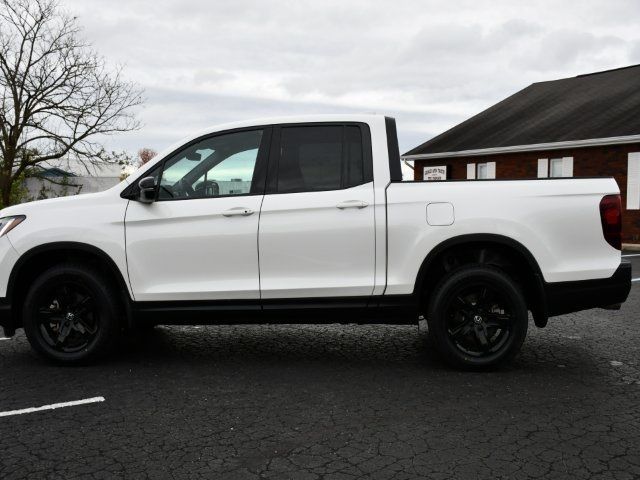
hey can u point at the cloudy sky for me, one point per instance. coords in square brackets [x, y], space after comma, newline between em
[430, 64]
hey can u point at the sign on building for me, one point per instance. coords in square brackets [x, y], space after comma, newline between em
[435, 173]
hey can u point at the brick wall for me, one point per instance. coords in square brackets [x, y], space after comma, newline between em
[587, 162]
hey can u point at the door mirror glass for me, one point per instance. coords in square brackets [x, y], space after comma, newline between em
[147, 188]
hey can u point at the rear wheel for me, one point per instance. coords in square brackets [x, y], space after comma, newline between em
[478, 317]
[70, 314]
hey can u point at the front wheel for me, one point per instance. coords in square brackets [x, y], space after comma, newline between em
[70, 314]
[478, 317]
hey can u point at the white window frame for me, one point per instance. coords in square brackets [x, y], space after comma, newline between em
[471, 171]
[543, 167]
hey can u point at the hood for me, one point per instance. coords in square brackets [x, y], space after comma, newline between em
[61, 202]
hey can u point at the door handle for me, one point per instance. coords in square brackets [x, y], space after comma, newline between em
[238, 212]
[352, 204]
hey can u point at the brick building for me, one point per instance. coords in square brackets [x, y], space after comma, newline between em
[584, 126]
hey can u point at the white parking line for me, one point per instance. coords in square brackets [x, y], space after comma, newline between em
[631, 255]
[52, 407]
[3, 338]
[635, 279]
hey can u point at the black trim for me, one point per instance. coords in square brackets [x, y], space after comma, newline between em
[534, 287]
[397, 309]
[472, 238]
[567, 297]
[272, 168]
[393, 150]
[556, 299]
[259, 180]
[367, 153]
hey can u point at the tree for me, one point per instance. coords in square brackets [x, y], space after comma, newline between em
[146, 154]
[57, 97]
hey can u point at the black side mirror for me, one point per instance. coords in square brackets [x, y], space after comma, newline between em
[147, 188]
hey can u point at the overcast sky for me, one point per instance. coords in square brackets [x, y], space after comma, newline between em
[430, 64]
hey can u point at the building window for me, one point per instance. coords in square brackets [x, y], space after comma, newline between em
[555, 167]
[481, 171]
[633, 181]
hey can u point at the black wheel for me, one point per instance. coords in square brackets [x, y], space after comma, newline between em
[478, 317]
[70, 314]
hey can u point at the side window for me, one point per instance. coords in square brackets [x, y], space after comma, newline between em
[317, 158]
[354, 161]
[216, 166]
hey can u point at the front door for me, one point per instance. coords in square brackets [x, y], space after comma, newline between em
[317, 229]
[198, 240]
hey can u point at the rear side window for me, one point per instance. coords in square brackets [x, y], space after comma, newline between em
[317, 158]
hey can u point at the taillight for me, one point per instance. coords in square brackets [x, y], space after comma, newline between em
[611, 218]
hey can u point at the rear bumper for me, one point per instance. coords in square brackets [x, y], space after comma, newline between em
[567, 297]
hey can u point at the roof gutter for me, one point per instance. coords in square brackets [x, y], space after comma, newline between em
[592, 142]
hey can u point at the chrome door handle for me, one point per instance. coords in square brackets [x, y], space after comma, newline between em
[238, 212]
[352, 204]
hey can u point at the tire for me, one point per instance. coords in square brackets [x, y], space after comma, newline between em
[70, 314]
[477, 317]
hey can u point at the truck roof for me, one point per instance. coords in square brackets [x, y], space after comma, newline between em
[341, 117]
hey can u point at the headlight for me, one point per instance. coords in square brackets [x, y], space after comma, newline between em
[9, 223]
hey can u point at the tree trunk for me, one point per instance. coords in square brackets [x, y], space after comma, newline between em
[5, 189]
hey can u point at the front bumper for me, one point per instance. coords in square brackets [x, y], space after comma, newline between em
[567, 297]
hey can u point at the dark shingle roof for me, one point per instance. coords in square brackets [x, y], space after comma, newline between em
[54, 172]
[597, 105]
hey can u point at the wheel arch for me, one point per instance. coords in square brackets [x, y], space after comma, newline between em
[43, 256]
[502, 249]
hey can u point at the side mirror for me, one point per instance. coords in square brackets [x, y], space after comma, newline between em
[147, 188]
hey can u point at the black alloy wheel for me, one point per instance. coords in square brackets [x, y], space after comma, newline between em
[478, 317]
[479, 320]
[67, 316]
[70, 314]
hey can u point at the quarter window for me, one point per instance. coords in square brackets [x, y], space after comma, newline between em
[317, 158]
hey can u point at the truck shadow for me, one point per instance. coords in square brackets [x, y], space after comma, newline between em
[346, 345]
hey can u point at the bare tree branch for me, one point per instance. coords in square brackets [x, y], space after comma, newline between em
[57, 97]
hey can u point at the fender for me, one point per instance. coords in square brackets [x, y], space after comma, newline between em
[74, 247]
[68, 246]
[538, 305]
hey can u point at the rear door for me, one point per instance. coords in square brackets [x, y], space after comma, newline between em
[317, 228]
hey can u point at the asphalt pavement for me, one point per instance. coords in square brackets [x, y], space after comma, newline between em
[329, 402]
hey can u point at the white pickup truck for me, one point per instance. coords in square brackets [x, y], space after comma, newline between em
[307, 220]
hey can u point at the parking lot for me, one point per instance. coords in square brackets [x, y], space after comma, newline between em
[330, 402]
